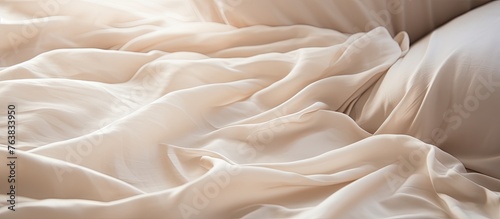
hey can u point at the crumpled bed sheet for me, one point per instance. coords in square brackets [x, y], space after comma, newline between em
[139, 119]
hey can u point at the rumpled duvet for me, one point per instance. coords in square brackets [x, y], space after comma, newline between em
[125, 115]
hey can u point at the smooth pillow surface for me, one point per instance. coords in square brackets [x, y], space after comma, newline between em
[445, 91]
[415, 17]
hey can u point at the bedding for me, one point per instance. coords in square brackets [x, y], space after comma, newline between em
[158, 110]
[417, 18]
[448, 83]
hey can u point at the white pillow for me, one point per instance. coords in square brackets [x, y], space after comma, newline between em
[349, 16]
[445, 91]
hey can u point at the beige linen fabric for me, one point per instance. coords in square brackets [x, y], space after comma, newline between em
[416, 17]
[152, 115]
[447, 91]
